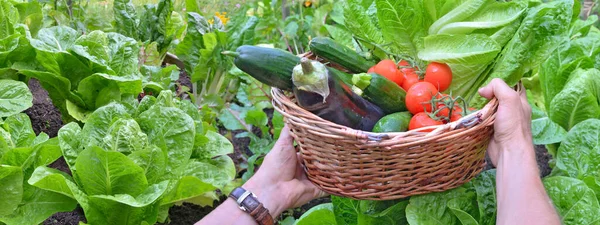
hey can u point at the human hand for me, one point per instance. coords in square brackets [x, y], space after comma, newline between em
[281, 183]
[512, 127]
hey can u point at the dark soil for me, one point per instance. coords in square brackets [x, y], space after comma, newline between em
[187, 213]
[542, 157]
[67, 218]
[44, 116]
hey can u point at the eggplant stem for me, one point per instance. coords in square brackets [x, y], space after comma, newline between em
[307, 66]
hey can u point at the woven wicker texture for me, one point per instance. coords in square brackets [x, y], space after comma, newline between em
[385, 166]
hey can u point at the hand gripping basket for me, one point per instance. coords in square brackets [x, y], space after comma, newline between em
[384, 166]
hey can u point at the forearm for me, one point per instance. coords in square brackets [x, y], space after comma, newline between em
[229, 213]
[522, 198]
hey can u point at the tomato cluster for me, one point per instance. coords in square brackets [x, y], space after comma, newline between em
[423, 98]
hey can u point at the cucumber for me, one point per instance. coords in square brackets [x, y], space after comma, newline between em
[381, 91]
[395, 122]
[326, 95]
[270, 66]
[329, 49]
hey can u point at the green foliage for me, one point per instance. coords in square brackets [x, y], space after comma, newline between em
[321, 214]
[21, 151]
[574, 201]
[14, 97]
[139, 160]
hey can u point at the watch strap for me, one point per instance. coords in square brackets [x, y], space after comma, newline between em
[249, 203]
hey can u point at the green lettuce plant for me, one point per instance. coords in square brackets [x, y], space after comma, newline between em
[139, 159]
[21, 151]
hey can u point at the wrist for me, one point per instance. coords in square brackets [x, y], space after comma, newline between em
[268, 193]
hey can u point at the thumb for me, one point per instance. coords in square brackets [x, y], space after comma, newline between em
[499, 89]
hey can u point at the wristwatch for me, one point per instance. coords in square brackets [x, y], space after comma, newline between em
[249, 203]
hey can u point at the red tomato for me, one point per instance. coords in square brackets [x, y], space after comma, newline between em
[419, 96]
[410, 76]
[388, 69]
[455, 116]
[371, 70]
[439, 74]
[422, 119]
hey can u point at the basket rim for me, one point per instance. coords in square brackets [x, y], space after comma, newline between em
[482, 118]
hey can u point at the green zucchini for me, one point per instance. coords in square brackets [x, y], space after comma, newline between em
[395, 122]
[380, 91]
[270, 66]
[329, 49]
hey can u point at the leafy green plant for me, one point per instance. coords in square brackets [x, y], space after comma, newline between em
[140, 159]
[155, 23]
[21, 151]
[15, 97]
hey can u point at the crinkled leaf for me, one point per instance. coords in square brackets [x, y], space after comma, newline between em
[14, 97]
[217, 172]
[125, 17]
[402, 23]
[214, 145]
[11, 187]
[539, 34]
[38, 205]
[109, 173]
[485, 187]
[99, 123]
[55, 39]
[360, 23]
[172, 130]
[432, 208]
[70, 143]
[20, 130]
[125, 136]
[577, 155]
[320, 214]
[578, 101]
[575, 202]
[544, 130]
[152, 160]
[187, 187]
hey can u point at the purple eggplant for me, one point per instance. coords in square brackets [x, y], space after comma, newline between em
[327, 96]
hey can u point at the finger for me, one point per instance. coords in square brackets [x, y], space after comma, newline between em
[499, 89]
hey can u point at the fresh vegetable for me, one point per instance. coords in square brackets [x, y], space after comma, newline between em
[270, 66]
[419, 96]
[21, 151]
[328, 49]
[323, 93]
[380, 91]
[423, 119]
[410, 79]
[389, 70]
[150, 156]
[395, 122]
[439, 74]
[14, 97]
[410, 76]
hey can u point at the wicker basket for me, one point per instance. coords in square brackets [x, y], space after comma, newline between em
[384, 166]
